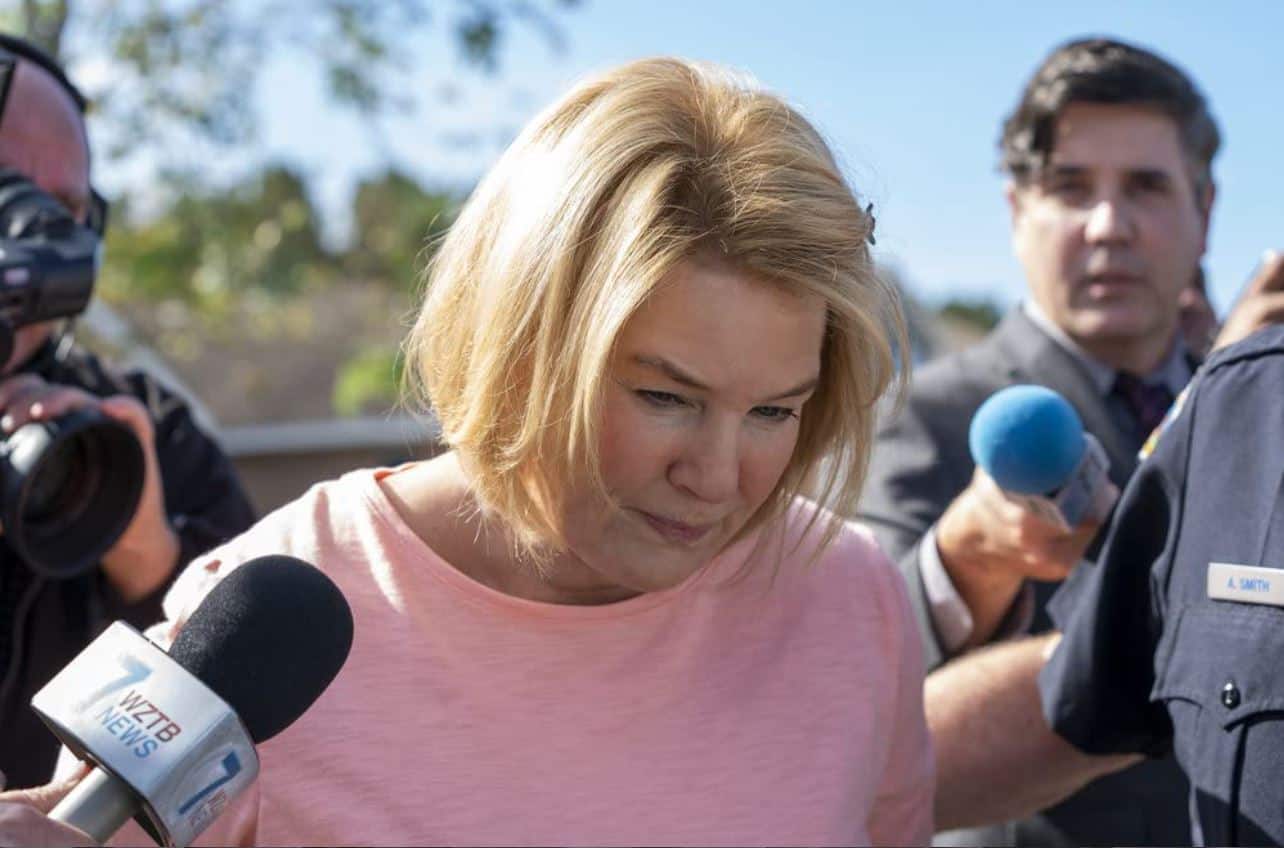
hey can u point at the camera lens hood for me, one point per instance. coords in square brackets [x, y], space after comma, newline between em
[70, 487]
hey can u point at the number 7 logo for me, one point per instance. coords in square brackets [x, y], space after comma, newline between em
[135, 672]
[231, 768]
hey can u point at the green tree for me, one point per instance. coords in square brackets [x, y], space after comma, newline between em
[396, 225]
[981, 313]
[211, 246]
[368, 382]
[240, 269]
[189, 68]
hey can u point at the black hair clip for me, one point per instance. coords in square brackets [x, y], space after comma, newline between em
[869, 211]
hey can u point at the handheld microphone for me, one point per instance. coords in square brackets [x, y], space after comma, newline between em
[173, 735]
[1031, 442]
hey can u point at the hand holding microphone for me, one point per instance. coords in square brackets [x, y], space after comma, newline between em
[173, 734]
[1031, 443]
[24, 818]
[1035, 502]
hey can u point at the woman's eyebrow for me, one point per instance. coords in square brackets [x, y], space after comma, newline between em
[679, 376]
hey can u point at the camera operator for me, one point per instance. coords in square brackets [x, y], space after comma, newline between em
[187, 494]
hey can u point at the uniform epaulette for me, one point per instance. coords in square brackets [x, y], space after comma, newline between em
[1267, 342]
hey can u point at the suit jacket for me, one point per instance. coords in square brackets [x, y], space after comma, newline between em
[921, 462]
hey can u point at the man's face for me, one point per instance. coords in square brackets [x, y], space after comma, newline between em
[42, 136]
[1111, 232]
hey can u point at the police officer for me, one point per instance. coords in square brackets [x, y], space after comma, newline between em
[1173, 641]
[191, 499]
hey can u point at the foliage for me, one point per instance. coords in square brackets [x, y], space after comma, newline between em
[367, 382]
[213, 245]
[980, 313]
[261, 235]
[185, 70]
[241, 272]
[396, 225]
[238, 277]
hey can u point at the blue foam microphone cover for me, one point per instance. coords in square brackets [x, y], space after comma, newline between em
[1027, 438]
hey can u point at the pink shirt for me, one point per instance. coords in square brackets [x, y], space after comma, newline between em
[721, 712]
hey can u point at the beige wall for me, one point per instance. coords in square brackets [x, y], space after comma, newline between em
[279, 462]
[276, 479]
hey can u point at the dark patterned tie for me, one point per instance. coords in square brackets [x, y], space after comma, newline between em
[1147, 403]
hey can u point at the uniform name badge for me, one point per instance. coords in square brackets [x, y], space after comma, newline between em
[1248, 584]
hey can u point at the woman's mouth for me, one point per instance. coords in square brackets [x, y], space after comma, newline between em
[676, 531]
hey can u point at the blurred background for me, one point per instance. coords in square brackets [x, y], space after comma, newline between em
[277, 168]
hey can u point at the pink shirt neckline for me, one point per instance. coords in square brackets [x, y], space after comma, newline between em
[416, 550]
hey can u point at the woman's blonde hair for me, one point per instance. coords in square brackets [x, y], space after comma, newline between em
[588, 211]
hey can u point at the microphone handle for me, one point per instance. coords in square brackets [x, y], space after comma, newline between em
[99, 805]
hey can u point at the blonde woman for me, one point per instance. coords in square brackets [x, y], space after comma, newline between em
[606, 616]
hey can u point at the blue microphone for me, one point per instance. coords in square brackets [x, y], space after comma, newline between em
[1030, 440]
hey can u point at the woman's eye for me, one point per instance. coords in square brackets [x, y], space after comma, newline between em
[774, 413]
[661, 399]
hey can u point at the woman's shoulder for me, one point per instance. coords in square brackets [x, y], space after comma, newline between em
[826, 581]
[318, 527]
[325, 508]
[838, 559]
[807, 529]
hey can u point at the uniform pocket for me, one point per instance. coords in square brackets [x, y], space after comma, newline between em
[1219, 677]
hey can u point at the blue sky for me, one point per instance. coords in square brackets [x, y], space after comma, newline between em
[910, 95]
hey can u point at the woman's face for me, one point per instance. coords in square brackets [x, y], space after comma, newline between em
[702, 407]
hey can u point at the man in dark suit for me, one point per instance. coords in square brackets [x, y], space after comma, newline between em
[1109, 156]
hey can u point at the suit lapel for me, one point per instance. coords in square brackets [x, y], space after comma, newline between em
[1036, 358]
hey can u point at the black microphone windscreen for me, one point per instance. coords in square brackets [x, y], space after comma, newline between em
[268, 639]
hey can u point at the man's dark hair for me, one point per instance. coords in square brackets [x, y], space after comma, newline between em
[1103, 70]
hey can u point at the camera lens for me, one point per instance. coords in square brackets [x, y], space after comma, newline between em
[71, 487]
[63, 487]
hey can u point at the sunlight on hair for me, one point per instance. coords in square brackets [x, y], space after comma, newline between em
[596, 201]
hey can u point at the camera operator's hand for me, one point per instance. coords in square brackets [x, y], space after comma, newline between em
[990, 543]
[146, 553]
